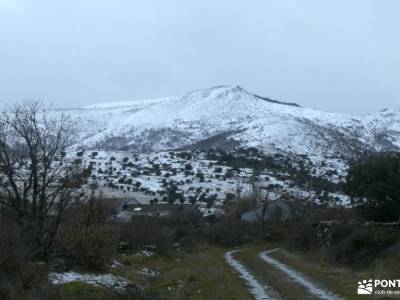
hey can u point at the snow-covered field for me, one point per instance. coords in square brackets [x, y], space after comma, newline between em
[191, 177]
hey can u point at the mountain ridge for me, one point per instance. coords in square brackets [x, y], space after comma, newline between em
[242, 118]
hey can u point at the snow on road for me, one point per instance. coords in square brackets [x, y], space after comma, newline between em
[259, 291]
[313, 288]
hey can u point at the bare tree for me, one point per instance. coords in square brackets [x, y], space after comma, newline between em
[264, 197]
[261, 201]
[37, 183]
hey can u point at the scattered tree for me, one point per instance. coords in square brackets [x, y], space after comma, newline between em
[37, 181]
[373, 183]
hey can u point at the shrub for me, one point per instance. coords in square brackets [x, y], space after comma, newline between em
[144, 232]
[19, 275]
[359, 246]
[373, 184]
[88, 239]
[299, 236]
[229, 231]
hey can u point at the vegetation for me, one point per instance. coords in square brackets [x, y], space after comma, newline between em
[37, 184]
[88, 239]
[373, 182]
[200, 273]
[296, 169]
[44, 227]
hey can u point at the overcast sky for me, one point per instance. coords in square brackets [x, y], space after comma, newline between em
[339, 55]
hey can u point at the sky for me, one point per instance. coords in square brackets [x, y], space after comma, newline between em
[333, 55]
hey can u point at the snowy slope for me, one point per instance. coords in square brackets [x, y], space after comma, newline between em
[232, 116]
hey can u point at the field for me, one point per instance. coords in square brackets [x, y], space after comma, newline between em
[198, 274]
[203, 273]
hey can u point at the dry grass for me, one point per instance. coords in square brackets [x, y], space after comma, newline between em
[200, 274]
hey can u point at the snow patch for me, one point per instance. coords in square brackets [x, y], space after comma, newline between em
[101, 280]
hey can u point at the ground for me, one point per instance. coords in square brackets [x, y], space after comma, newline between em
[203, 273]
[205, 178]
[335, 281]
[199, 274]
[341, 281]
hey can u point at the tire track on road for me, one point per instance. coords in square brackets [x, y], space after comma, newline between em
[258, 290]
[298, 277]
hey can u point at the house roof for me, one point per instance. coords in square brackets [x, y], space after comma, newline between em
[161, 208]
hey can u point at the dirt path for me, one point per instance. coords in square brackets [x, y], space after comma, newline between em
[258, 290]
[298, 277]
[269, 278]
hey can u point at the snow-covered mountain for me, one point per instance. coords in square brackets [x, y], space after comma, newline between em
[228, 116]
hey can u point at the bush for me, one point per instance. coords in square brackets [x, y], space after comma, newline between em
[300, 236]
[230, 232]
[373, 183]
[359, 246]
[144, 232]
[19, 275]
[88, 239]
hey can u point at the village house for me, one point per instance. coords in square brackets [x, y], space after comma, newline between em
[277, 210]
[131, 211]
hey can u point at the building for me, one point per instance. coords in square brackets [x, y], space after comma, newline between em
[277, 210]
[132, 211]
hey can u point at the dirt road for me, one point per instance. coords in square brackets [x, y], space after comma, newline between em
[269, 278]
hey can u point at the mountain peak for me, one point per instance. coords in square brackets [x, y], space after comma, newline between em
[227, 90]
[222, 88]
[247, 118]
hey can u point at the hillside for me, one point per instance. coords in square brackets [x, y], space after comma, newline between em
[228, 116]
